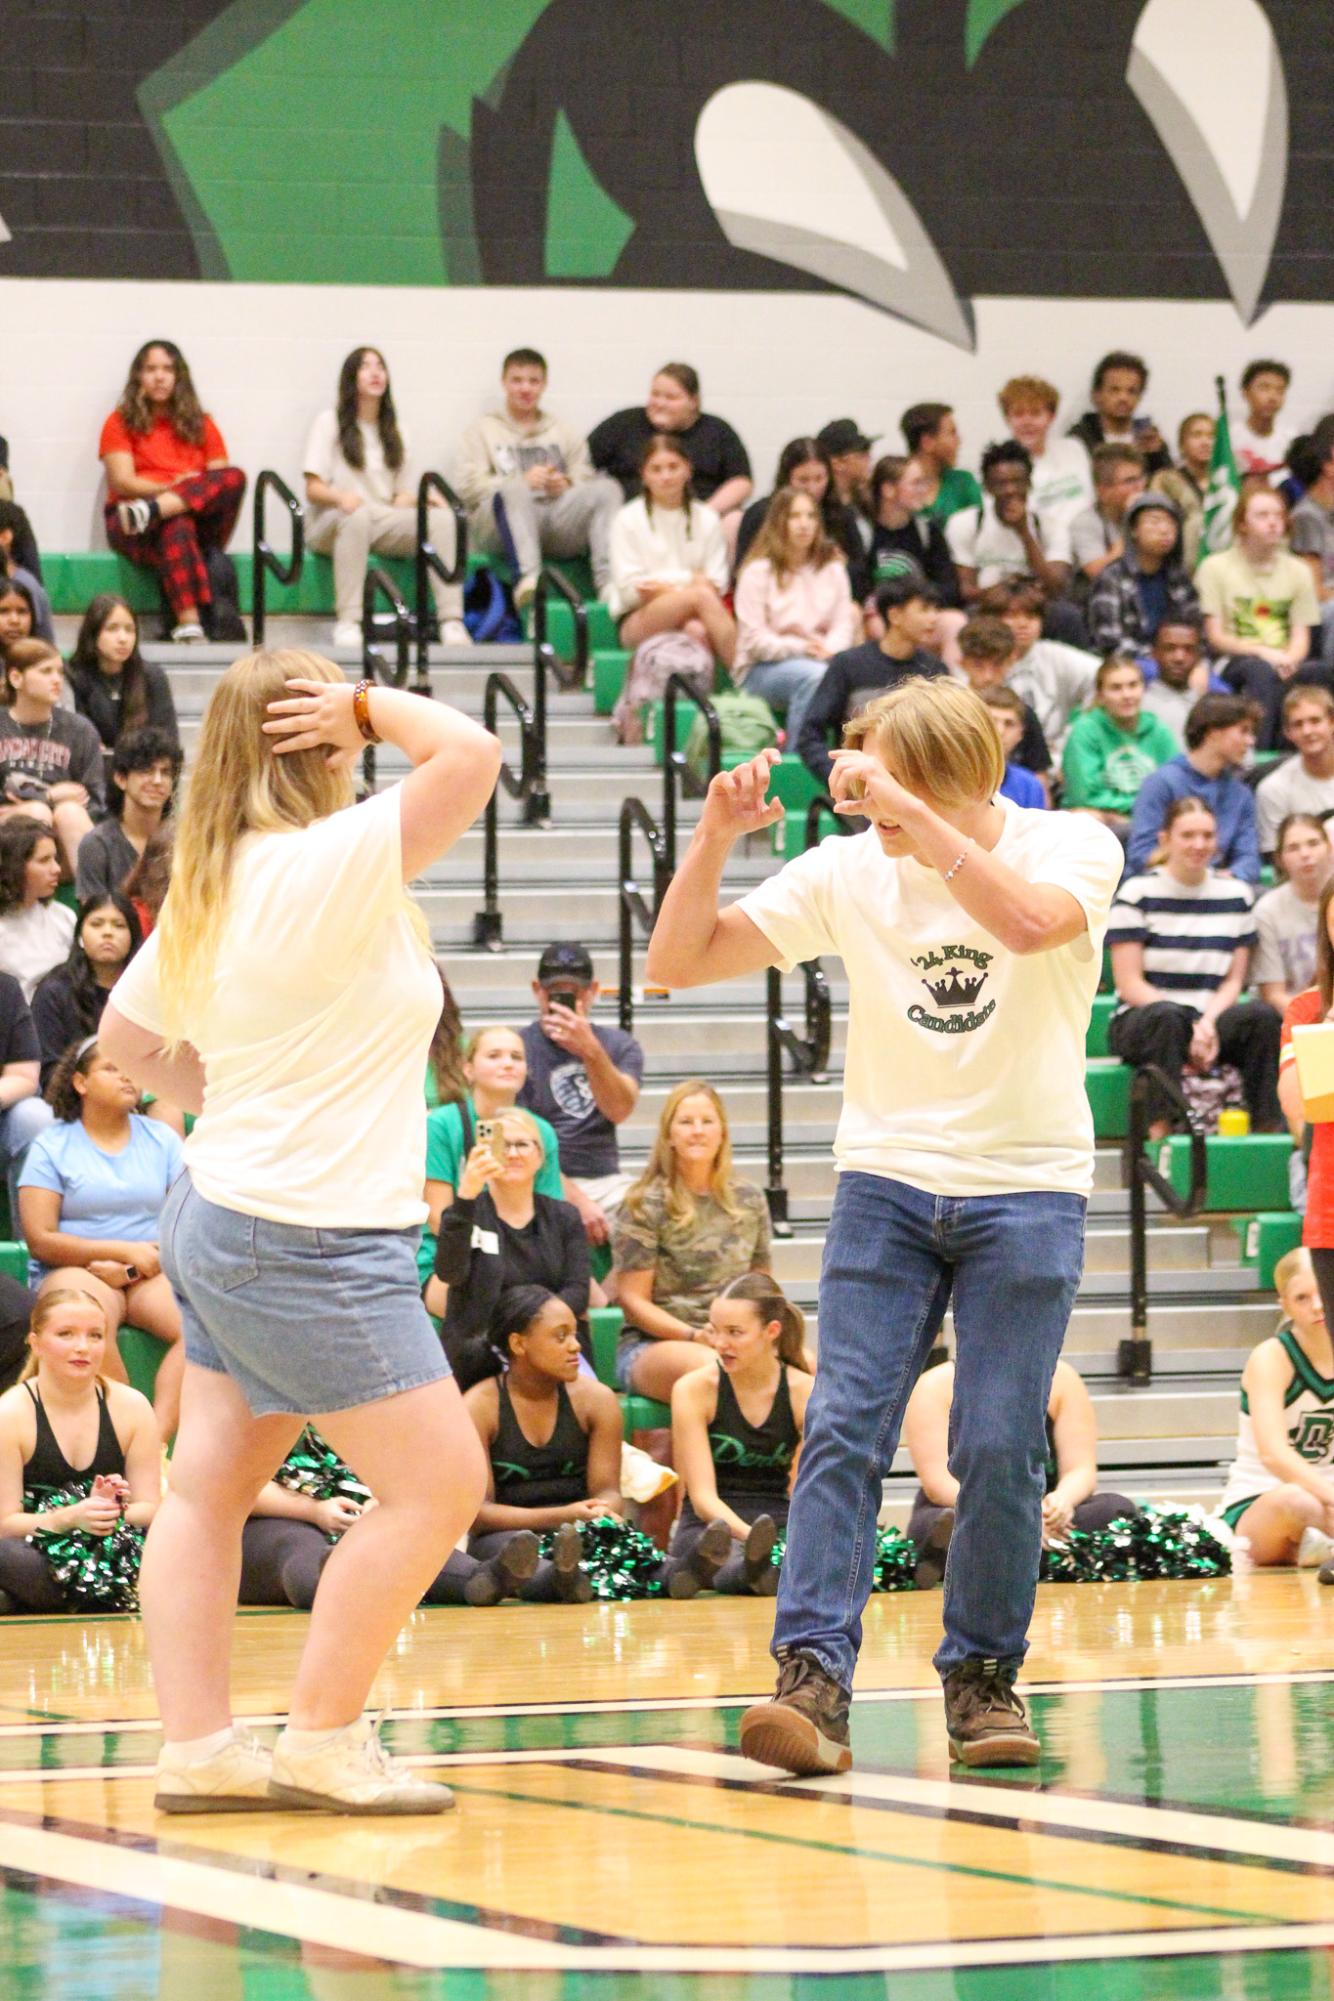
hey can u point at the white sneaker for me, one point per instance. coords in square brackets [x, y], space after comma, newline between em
[351, 1772]
[235, 1780]
[134, 515]
[1315, 1549]
[455, 633]
[347, 633]
[187, 634]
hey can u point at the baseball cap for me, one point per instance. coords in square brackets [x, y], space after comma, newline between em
[844, 434]
[1143, 502]
[571, 960]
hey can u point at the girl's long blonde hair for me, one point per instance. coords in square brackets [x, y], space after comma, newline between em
[661, 1171]
[238, 787]
[47, 1306]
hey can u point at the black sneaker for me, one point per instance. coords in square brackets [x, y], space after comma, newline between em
[987, 1722]
[930, 1570]
[805, 1728]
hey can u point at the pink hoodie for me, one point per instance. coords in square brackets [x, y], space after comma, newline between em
[778, 621]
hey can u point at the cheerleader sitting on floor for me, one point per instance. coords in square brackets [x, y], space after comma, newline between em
[1280, 1493]
[736, 1437]
[80, 1469]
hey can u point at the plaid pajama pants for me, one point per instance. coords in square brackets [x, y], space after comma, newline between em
[175, 548]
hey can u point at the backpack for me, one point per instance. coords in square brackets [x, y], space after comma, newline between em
[654, 663]
[488, 611]
[748, 726]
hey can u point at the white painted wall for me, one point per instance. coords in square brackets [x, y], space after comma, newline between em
[266, 358]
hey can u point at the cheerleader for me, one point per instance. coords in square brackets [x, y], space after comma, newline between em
[80, 1469]
[736, 1437]
[1280, 1492]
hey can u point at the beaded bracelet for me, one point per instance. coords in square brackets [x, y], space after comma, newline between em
[361, 712]
[959, 861]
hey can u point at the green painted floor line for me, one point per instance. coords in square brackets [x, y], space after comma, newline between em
[848, 1851]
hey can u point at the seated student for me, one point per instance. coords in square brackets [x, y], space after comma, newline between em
[1280, 1491]
[1286, 916]
[530, 485]
[361, 486]
[584, 1077]
[172, 497]
[1259, 606]
[1220, 733]
[1312, 526]
[805, 465]
[1009, 714]
[1259, 442]
[12, 567]
[67, 1002]
[1119, 382]
[687, 1227]
[498, 1232]
[79, 1455]
[901, 528]
[1177, 674]
[90, 1196]
[906, 609]
[1187, 481]
[932, 437]
[553, 1438]
[112, 684]
[313, 1499]
[23, 1111]
[1147, 585]
[794, 609]
[1113, 746]
[1305, 783]
[1071, 1501]
[35, 932]
[1097, 535]
[18, 615]
[669, 558]
[987, 650]
[1055, 679]
[51, 766]
[145, 768]
[736, 1436]
[1178, 978]
[1062, 484]
[1002, 537]
[720, 468]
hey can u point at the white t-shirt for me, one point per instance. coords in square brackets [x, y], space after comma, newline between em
[375, 480]
[965, 1063]
[1289, 788]
[980, 542]
[315, 1038]
[32, 941]
[1257, 456]
[1062, 482]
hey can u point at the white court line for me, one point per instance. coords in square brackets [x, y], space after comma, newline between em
[1254, 1840]
[655, 1705]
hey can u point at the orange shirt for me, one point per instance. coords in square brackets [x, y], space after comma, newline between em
[1318, 1228]
[160, 453]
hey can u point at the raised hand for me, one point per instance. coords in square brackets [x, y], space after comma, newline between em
[735, 803]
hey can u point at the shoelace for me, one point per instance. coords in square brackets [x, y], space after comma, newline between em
[993, 1690]
[376, 1755]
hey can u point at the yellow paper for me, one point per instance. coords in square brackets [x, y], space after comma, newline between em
[1314, 1050]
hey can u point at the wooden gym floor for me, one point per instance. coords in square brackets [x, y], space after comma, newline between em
[609, 1842]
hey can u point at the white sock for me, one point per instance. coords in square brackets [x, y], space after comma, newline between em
[198, 1750]
[315, 1740]
[1314, 1549]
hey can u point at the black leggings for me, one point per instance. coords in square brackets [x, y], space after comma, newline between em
[26, 1575]
[1098, 1512]
[282, 1560]
[732, 1579]
[1248, 1035]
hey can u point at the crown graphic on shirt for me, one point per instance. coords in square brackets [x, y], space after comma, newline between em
[955, 992]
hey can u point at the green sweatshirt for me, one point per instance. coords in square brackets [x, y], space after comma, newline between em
[1104, 765]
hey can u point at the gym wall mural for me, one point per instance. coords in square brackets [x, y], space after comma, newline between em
[914, 154]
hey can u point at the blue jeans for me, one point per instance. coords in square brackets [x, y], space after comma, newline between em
[891, 1259]
[19, 1127]
[787, 685]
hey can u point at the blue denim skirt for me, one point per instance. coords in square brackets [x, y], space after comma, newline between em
[302, 1320]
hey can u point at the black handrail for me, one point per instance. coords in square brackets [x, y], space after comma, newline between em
[568, 675]
[488, 925]
[1134, 1358]
[266, 561]
[675, 770]
[809, 1053]
[633, 907]
[430, 562]
[822, 803]
[380, 584]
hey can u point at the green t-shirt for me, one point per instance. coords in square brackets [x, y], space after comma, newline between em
[958, 489]
[444, 1162]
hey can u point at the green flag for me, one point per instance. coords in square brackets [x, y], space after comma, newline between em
[1220, 498]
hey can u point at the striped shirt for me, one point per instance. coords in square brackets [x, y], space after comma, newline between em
[1188, 934]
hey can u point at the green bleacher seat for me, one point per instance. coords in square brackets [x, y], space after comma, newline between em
[644, 1414]
[789, 835]
[1107, 1083]
[73, 580]
[14, 1260]
[611, 664]
[1104, 1007]
[653, 717]
[1248, 1172]
[1266, 1238]
[142, 1355]
[637, 1413]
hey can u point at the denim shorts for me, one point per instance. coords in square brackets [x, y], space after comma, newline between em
[631, 1348]
[302, 1320]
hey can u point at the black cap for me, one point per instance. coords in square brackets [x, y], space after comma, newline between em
[843, 435]
[569, 959]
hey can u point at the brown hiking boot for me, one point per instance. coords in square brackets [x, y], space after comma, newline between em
[987, 1722]
[805, 1728]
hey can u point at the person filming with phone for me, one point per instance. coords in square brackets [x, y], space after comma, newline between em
[585, 1080]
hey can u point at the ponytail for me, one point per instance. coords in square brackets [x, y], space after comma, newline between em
[764, 1293]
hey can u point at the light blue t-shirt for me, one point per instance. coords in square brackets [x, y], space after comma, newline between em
[116, 1196]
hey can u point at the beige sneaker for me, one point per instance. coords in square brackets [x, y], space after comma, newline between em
[235, 1781]
[351, 1772]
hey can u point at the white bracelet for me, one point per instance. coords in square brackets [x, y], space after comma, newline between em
[959, 861]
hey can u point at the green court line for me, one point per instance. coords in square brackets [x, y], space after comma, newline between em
[864, 1854]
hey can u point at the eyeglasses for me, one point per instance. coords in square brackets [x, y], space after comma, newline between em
[520, 1146]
